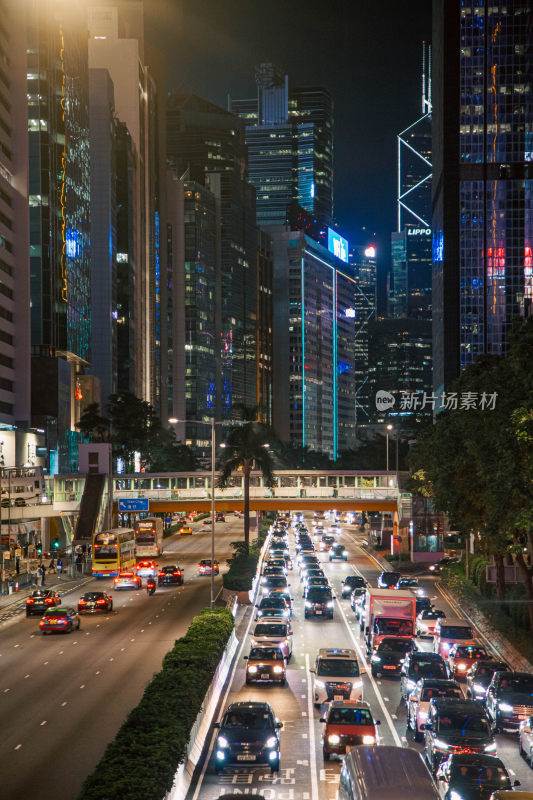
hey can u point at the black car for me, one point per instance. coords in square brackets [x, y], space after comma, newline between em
[509, 699]
[473, 777]
[41, 600]
[170, 574]
[480, 675]
[319, 602]
[352, 582]
[421, 665]
[442, 564]
[422, 604]
[338, 551]
[456, 726]
[269, 603]
[247, 736]
[354, 597]
[388, 657]
[274, 582]
[91, 602]
[388, 579]
[220, 516]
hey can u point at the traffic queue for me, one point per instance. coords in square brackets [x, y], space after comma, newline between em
[457, 695]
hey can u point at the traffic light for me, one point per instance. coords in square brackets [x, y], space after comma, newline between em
[40, 549]
[56, 544]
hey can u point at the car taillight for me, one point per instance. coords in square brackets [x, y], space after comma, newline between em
[161, 574]
[41, 623]
[100, 602]
[49, 600]
[116, 580]
[177, 573]
[29, 601]
[82, 602]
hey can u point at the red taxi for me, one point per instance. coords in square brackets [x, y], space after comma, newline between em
[347, 723]
[204, 567]
[146, 569]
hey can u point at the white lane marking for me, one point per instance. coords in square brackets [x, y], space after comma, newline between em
[61, 652]
[312, 748]
[132, 640]
[64, 703]
[370, 677]
[511, 771]
[304, 713]
[304, 736]
[17, 747]
[97, 672]
[6, 690]
[394, 716]
[27, 676]
[303, 695]
[386, 699]
[111, 659]
[43, 723]
[223, 706]
[16, 645]
[45, 663]
[122, 649]
[82, 686]
[142, 630]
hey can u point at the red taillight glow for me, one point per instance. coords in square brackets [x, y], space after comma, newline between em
[29, 601]
[82, 602]
[161, 574]
[49, 600]
[100, 602]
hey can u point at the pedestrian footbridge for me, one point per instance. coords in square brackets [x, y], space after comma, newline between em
[292, 490]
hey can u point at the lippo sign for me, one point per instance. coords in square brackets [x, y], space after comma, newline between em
[444, 401]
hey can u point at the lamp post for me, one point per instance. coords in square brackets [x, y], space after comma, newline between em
[389, 428]
[212, 423]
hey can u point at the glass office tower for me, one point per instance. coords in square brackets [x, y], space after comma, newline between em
[289, 133]
[483, 177]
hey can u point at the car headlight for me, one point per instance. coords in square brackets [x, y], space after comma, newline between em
[345, 552]
[491, 748]
[455, 795]
[420, 592]
[222, 741]
[277, 669]
[334, 738]
[331, 604]
[375, 658]
[462, 667]
[286, 612]
[252, 669]
[259, 613]
[221, 755]
[320, 685]
[273, 755]
[478, 688]
[369, 740]
[445, 646]
[271, 742]
[505, 707]
[308, 604]
[440, 745]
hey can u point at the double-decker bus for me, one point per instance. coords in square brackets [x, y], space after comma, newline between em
[149, 537]
[113, 552]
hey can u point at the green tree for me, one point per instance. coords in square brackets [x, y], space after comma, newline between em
[246, 448]
[132, 423]
[166, 454]
[93, 425]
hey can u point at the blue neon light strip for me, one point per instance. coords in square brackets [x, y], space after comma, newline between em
[303, 350]
[335, 409]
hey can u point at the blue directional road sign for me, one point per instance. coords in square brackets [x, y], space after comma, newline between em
[138, 504]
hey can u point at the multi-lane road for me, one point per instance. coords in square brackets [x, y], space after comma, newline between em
[303, 774]
[63, 697]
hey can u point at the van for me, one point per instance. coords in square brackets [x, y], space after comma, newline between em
[450, 631]
[371, 772]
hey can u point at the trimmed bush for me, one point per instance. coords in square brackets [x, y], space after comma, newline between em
[141, 762]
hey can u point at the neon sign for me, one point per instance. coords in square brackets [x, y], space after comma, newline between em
[338, 245]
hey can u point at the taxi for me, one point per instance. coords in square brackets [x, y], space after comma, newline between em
[146, 569]
[462, 656]
[185, 530]
[266, 664]
[59, 620]
[127, 580]
[347, 723]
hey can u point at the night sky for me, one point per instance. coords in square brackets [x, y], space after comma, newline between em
[366, 52]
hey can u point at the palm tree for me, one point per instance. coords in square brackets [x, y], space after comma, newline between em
[247, 446]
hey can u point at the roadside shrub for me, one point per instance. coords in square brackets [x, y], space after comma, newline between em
[140, 763]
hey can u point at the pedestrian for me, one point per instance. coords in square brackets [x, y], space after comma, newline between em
[43, 574]
[10, 584]
[17, 565]
[59, 567]
[79, 562]
[25, 551]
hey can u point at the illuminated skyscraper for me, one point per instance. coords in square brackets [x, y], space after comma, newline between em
[363, 262]
[483, 178]
[289, 133]
[58, 128]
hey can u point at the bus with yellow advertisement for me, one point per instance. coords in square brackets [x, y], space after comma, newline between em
[113, 552]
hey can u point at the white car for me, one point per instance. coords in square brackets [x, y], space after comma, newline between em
[145, 569]
[336, 676]
[272, 630]
[426, 621]
[525, 737]
[419, 699]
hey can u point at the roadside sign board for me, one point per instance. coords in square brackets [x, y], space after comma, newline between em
[137, 504]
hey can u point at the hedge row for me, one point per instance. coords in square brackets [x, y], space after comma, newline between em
[141, 762]
[506, 618]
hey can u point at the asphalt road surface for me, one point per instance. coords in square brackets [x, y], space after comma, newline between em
[63, 697]
[304, 775]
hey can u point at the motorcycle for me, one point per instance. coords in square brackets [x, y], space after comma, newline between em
[150, 587]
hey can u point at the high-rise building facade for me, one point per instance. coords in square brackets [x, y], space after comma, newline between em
[363, 262]
[410, 286]
[483, 178]
[313, 342]
[14, 224]
[59, 198]
[205, 144]
[289, 133]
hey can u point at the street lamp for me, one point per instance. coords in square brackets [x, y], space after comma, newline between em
[392, 428]
[212, 423]
[389, 428]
